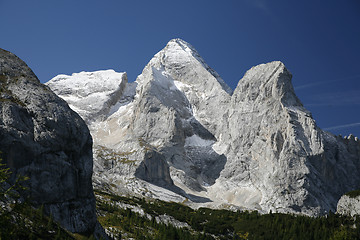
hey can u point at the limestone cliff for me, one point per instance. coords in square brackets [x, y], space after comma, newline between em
[277, 158]
[42, 138]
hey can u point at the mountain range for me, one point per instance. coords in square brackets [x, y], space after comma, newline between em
[179, 133]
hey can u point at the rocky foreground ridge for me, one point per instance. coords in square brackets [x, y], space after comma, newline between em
[180, 133]
[42, 138]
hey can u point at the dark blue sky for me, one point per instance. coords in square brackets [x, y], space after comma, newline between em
[319, 42]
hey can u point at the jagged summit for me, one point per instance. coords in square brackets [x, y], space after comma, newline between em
[257, 148]
[178, 54]
[267, 81]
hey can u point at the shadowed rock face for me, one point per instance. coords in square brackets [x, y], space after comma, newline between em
[41, 137]
[154, 169]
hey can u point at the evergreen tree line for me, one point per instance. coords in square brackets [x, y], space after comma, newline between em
[222, 224]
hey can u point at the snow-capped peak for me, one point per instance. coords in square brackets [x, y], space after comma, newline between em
[91, 94]
[179, 54]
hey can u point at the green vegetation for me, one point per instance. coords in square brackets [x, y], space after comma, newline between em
[353, 194]
[18, 219]
[2, 78]
[110, 156]
[25, 222]
[127, 223]
[217, 224]
[123, 222]
[146, 146]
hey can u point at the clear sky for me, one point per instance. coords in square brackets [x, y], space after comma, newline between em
[319, 42]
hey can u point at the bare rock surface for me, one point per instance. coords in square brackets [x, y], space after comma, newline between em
[42, 138]
[254, 148]
[349, 205]
[277, 158]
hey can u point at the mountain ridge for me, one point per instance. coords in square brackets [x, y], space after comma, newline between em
[256, 147]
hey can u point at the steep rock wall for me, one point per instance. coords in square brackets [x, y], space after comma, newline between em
[42, 138]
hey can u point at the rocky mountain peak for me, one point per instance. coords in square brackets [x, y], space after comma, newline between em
[179, 57]
[267, 82]
[257, 148]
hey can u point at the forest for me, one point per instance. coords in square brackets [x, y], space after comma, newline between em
[205, 223]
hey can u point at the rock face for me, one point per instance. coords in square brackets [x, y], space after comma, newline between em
[277, 158]
[41, 137]
[254, 148]
[349, 205]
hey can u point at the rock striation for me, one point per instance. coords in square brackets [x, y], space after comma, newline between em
[256, 147]
[277, 158]
[42, 138]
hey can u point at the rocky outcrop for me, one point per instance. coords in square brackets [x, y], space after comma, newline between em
[42, 138]
[254, 148]
[349, 204]
[154, 169]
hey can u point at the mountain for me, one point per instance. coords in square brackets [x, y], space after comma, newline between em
[179, 133]
[42, 138]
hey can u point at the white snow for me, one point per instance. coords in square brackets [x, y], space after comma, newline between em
[196, 141]
[177, 50]
[88, 93]
[298, 110]
[162, 79]
[85, 83]
[182, 86]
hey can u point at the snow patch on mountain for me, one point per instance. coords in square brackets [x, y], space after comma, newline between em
[196, 141]
[90, 94]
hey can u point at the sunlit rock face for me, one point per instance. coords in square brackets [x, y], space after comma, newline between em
[193, 139]
[349, 205]
[277, 157]
[42, 138]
